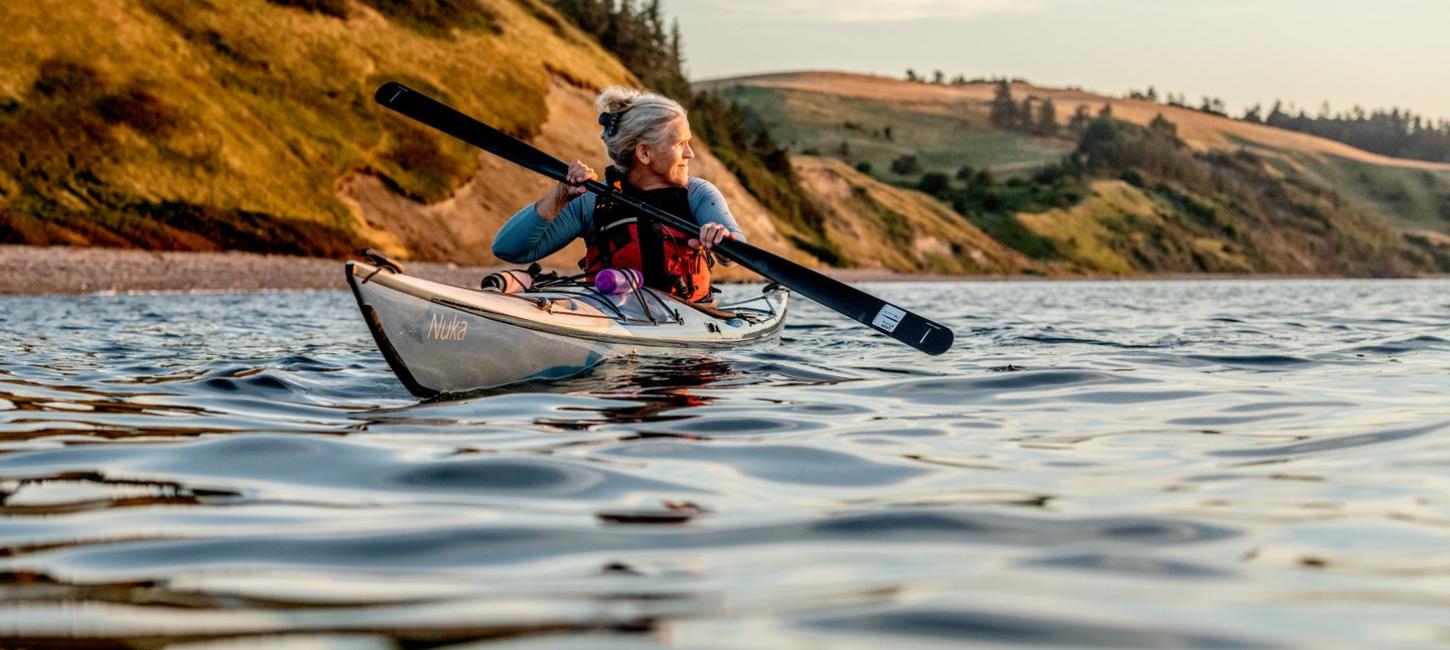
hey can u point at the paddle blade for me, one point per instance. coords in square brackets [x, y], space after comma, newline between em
[443, 117]
[905, 326]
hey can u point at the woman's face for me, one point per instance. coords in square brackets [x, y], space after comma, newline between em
[667, 162]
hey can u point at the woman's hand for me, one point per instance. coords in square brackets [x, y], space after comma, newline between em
[573, 185]
[711, 234]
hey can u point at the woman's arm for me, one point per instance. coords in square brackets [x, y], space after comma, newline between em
[548, 224]
[712, 214]
[528, 237]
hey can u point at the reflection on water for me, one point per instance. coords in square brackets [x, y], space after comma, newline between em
[1206, 464]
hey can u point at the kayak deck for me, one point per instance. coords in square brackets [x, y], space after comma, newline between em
[439, 338]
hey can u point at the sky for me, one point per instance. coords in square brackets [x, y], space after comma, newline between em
[1372, 53]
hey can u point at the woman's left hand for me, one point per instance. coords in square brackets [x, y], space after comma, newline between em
[711, 234]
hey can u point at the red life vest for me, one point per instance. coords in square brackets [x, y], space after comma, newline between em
[622, 238]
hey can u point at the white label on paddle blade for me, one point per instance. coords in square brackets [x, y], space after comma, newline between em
[888, 318]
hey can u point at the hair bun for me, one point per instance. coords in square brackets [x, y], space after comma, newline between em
[616, 99]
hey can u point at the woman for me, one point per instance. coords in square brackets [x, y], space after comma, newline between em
[648, 141]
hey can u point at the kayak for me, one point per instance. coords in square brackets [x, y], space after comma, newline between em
[440, 338]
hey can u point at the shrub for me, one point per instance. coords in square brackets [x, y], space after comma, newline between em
[69, 80]
[334, 8]
[138, 109]
[934, 183]
[906, 165]
[436, 17]
[430, 172]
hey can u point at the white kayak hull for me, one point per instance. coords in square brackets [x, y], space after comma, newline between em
[440, 338]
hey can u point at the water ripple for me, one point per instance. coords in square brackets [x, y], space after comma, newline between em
[1109, 464]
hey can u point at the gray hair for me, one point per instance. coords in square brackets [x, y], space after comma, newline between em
[632, 116]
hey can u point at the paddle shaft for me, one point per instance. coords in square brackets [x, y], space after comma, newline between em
[904, 326]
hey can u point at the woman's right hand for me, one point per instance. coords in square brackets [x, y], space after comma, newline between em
[566, 191]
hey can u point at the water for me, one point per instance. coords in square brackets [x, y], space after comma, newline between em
[1190, 464]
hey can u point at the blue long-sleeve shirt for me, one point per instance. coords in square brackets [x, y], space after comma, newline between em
[527, 237]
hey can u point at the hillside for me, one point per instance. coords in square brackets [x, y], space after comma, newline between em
[1213, 195]
[950, 125]
[249, 125]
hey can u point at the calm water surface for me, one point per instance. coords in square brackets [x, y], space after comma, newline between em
[1189, 464]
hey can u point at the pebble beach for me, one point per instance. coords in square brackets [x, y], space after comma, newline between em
[72, 270]
[36, 270]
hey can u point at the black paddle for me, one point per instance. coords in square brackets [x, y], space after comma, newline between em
[893, 321]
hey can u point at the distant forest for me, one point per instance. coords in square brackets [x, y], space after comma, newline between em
[1394, 132]
[1397, 133]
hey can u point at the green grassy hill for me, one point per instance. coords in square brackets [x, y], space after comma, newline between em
[1411, 199]
[209, 124]
[858, 129]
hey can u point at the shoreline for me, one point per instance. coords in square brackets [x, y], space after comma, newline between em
[62, 270]
[46, 270]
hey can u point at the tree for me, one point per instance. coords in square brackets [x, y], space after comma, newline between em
[1152, 95]
[1161, 124]
[1079, 120]
[1047, 118]
[1004, 109]
[1099, 144]
[1024, 114]
[623, 36]
[911, 75]
[592, 16]
[1276, 114]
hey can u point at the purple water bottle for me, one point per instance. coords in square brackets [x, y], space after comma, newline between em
[617, 282]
